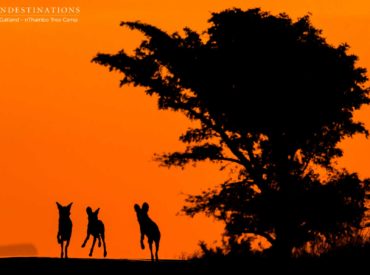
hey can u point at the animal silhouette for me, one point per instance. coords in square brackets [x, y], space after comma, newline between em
[64, 228]
[148, 228]
[95, 227]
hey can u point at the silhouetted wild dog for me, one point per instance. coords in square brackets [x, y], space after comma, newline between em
[64, 228]
[148, 228]
[95, 227]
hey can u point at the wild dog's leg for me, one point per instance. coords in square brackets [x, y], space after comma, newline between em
[66, 248]
[104, 246]
[59, 238]
[92, 247]
[87, 238]
[150, 241]
[99, 241]
[156, 249]
[142, 240]
[61, 249]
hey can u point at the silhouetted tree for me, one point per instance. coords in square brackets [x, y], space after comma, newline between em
[273, 99]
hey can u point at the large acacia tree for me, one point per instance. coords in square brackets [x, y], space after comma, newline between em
[273, 99]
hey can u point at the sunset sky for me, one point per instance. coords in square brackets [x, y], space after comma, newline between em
[70, 134]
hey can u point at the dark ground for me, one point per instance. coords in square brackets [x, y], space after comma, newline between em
[254, 265]
[91, 266]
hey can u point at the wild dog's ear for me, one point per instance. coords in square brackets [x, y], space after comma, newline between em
[59, 205]
[97, 211]
[69, 206]
[145, 207]
[137, 208]
[88, 210]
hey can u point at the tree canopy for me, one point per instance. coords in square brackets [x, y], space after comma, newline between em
[272, 98]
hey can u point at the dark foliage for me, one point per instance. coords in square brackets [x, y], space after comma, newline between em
[273, 98]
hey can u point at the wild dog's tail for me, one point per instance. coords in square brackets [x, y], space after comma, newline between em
[59, 238]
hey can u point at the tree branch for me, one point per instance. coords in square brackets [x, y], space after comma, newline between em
[243, 160]
[206, 151]
[229, 159]
[262, 234]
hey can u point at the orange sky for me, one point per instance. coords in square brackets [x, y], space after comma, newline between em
[69, 133]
